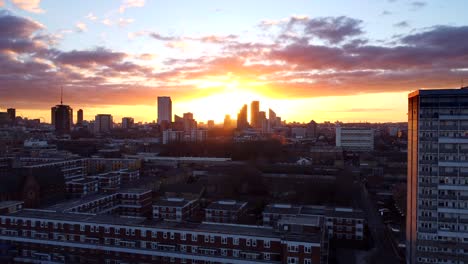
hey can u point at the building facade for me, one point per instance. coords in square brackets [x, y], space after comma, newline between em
[62, 118]
[355, 138]
[103, 123]
[437, 180]
[254, 114]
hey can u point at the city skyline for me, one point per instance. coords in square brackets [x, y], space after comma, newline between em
[306, 61]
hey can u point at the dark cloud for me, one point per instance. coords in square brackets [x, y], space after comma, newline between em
[99, 56]
[162, 37]
[418, 4]
[16, 27]
[402, 24]
[334, 29]
[386, 13]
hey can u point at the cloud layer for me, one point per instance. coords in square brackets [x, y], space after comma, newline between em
[306, 57]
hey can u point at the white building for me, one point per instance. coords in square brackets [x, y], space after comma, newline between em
[164, 109]
[355, 138]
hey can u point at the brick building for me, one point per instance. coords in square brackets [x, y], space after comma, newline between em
[227, 211]
[177, 209]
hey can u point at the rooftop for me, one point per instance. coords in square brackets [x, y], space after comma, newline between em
[173, 202]
[227, 205]
[438, 92]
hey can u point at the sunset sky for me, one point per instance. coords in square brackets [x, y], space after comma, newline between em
[315, 59]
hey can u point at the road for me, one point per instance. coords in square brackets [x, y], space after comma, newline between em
[384, 251]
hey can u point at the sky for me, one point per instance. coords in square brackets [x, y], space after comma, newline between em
[323, 60]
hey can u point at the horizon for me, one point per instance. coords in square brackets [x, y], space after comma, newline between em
[309, 60]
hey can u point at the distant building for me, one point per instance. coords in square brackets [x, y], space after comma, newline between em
[211, 124]
[298, 132]
[79, 117]
[263, 122]
[254, 114]
[164, 109]
[62, 117]
[227, 122]
[272, 117]
[127, 122]
[242, 122]
[171, 136]
[355, 138]
[103, 123]
[12, 113]
[311, 131]
[189, 122]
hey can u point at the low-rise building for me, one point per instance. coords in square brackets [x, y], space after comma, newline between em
[227, 211]
[177, 209]
[82, 187]
[355, 138]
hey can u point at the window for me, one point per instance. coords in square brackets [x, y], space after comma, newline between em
[247, 242]
[194, 237]
[183, 236]
[292, 260]
[235, 253]
[307, 261]
[267, 256]
[292, 248]
[223, 240]
[154, 234]
[207, 239]
[307, 249]
[183, 248]
[224, 252]
[127, 232]
[165, 235]
[106, 230]
[254, 243]
[91, 228]
[236, 241]
[212, 239]
[117, 231]
[266, 243]
[82, 228]
[172, 235]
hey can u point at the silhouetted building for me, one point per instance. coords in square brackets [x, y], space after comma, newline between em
[263, 121]
[127, 122]
[242, 119]
[437, 190]
[227, 122]
[189, 122]
[12, 113]
[272, 118]
[164, 109]
[79, 117]
[103, 123]
[62, 118]
[211, 124]
[254, 114]
[311, 129]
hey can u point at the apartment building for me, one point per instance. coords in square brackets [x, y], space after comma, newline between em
[341, 223]
[82, 187]
[177, 209]
[227, 211]
[437, 181]
[58, 237]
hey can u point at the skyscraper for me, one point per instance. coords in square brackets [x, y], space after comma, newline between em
[227, 122]
[437, 180]
[63, 118]
[103, 123]
[189, 122]
[254, 111]
[263, 121]
[79, 117]
[242, 118]
[164, 109]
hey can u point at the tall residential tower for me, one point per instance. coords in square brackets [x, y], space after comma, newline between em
[164, 109]
[437, 181]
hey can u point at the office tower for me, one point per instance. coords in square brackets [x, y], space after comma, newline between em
[12, 113]
[227, 122]
[164, 109]
[103, 123]
[254, 112]
[127, 122]
[79, 117]
[242, 118]
[272, 118]
[263, 121]
[437, 180]
[189, 122]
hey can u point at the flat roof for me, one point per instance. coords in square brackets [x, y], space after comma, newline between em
[5, 204]
[459, 91]
[228, 205]
[247, 230]
[173, 202]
